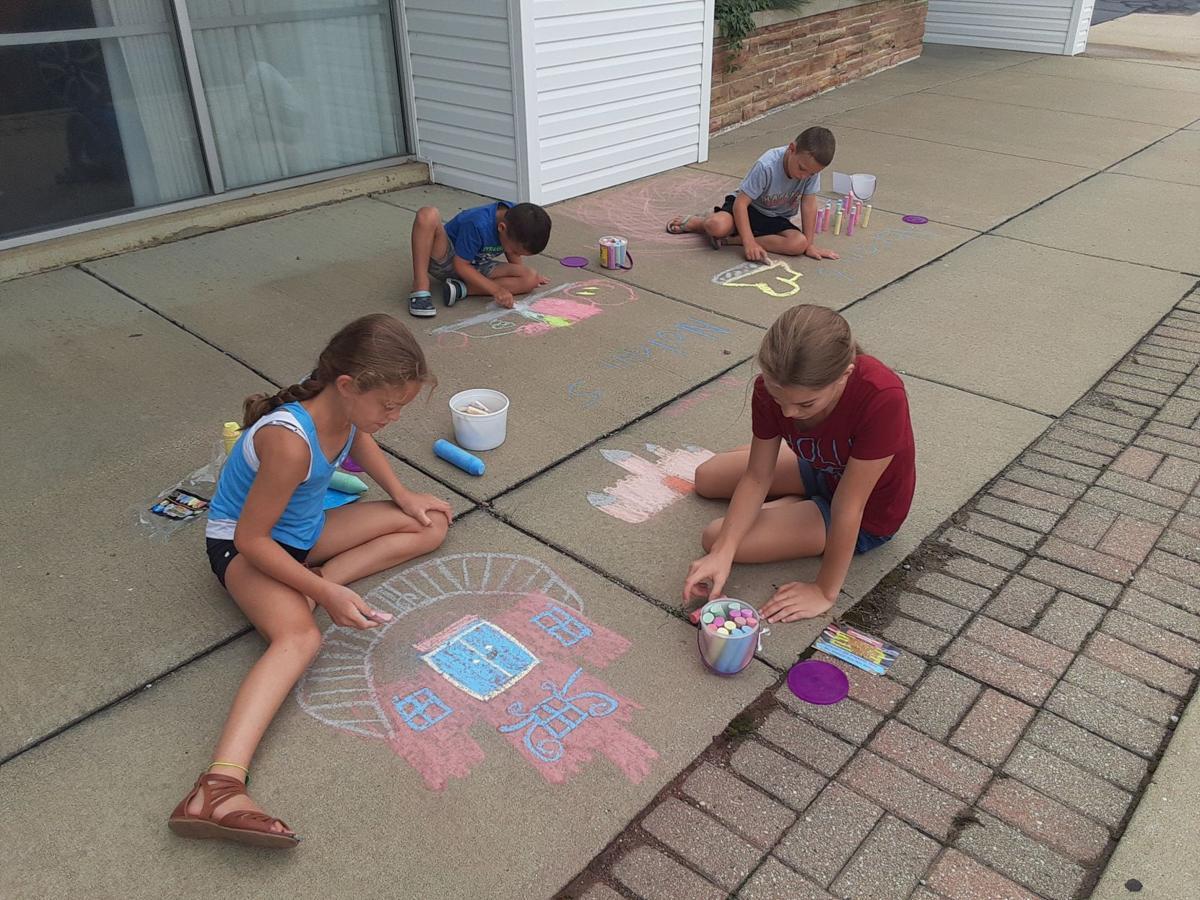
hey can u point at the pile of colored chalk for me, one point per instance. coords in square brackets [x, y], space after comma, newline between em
[730, 619]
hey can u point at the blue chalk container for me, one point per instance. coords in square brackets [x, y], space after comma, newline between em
[459, 457]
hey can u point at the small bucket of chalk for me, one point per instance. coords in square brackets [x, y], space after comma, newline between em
[480, 418]
[728, 635]
[614, 252]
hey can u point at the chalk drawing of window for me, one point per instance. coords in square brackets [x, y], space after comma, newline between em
[421, 709]
[478, 658]
[553, 718]
[567, 629]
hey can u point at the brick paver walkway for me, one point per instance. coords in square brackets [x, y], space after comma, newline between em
[1053, 634]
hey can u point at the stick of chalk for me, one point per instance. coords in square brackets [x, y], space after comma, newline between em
[347, 483]
[459, 457]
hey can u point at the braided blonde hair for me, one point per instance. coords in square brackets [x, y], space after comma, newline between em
[374, 350]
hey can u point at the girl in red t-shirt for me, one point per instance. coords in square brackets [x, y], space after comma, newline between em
[844, 418]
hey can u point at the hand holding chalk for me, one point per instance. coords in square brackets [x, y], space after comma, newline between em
[459, 457]
[345, 607]
[706, 578]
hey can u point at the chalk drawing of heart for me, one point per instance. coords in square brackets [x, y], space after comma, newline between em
[650, 487]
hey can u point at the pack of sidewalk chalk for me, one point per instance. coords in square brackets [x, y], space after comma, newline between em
[857, 648]
[179, 504]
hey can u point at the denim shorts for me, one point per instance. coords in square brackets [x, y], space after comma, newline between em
[814, 491]
[443, 268]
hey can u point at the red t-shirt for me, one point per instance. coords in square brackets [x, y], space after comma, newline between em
[870, 421]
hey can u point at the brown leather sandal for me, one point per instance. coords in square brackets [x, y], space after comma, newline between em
[242, 825]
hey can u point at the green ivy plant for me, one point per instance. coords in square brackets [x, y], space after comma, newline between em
[735, 19]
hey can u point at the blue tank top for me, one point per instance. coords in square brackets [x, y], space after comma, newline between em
[304, 516]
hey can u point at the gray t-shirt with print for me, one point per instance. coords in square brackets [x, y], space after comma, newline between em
[770, 189]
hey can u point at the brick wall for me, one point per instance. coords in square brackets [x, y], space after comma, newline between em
[786, 62]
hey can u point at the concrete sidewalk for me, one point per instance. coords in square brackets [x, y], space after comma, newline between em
[1036, 273]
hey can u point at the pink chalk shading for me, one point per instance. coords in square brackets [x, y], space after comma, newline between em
[358, 675]
[538, 313]
[651, 486]
[723, 385]
[643, 208]
[563, 308]
[449, 749]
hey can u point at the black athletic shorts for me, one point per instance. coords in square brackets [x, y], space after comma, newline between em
[221, 553]
[760, 224]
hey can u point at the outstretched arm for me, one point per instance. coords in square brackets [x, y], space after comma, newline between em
[805, 600]
[708, 575]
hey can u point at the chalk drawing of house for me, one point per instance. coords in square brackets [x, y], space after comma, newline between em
[519, 673]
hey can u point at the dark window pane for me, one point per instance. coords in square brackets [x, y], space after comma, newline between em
[26, 16]
[89, 128]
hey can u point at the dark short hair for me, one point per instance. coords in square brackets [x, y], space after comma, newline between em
[818, 143]
[528, 225]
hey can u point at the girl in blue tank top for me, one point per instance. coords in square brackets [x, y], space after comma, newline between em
[277, 551]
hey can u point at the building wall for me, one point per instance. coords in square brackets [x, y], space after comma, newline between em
[1040, 26]
[1082, 24]
[797, 57]
[619, 90]
[463, 104]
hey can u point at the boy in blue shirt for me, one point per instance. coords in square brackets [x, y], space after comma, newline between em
[466, 253]
[783, 182]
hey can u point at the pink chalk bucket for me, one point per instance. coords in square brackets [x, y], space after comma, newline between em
[729, 635]
[818, 682]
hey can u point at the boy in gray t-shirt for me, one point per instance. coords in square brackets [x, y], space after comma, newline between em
[783, 182]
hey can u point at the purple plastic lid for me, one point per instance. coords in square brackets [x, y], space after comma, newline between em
[818, 682]
[915, 220]
[574, 262]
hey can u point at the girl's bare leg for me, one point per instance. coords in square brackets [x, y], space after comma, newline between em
[716, 478]
[369, 536]
[787, 528]
[357, 541]
[283, 617]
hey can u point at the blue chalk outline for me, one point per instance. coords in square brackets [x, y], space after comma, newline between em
[418, 717]
[562, 626]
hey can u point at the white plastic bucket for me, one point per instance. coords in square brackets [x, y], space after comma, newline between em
[863, 186]
[479, 432]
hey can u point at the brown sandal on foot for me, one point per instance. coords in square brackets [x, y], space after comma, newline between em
[242, 825]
